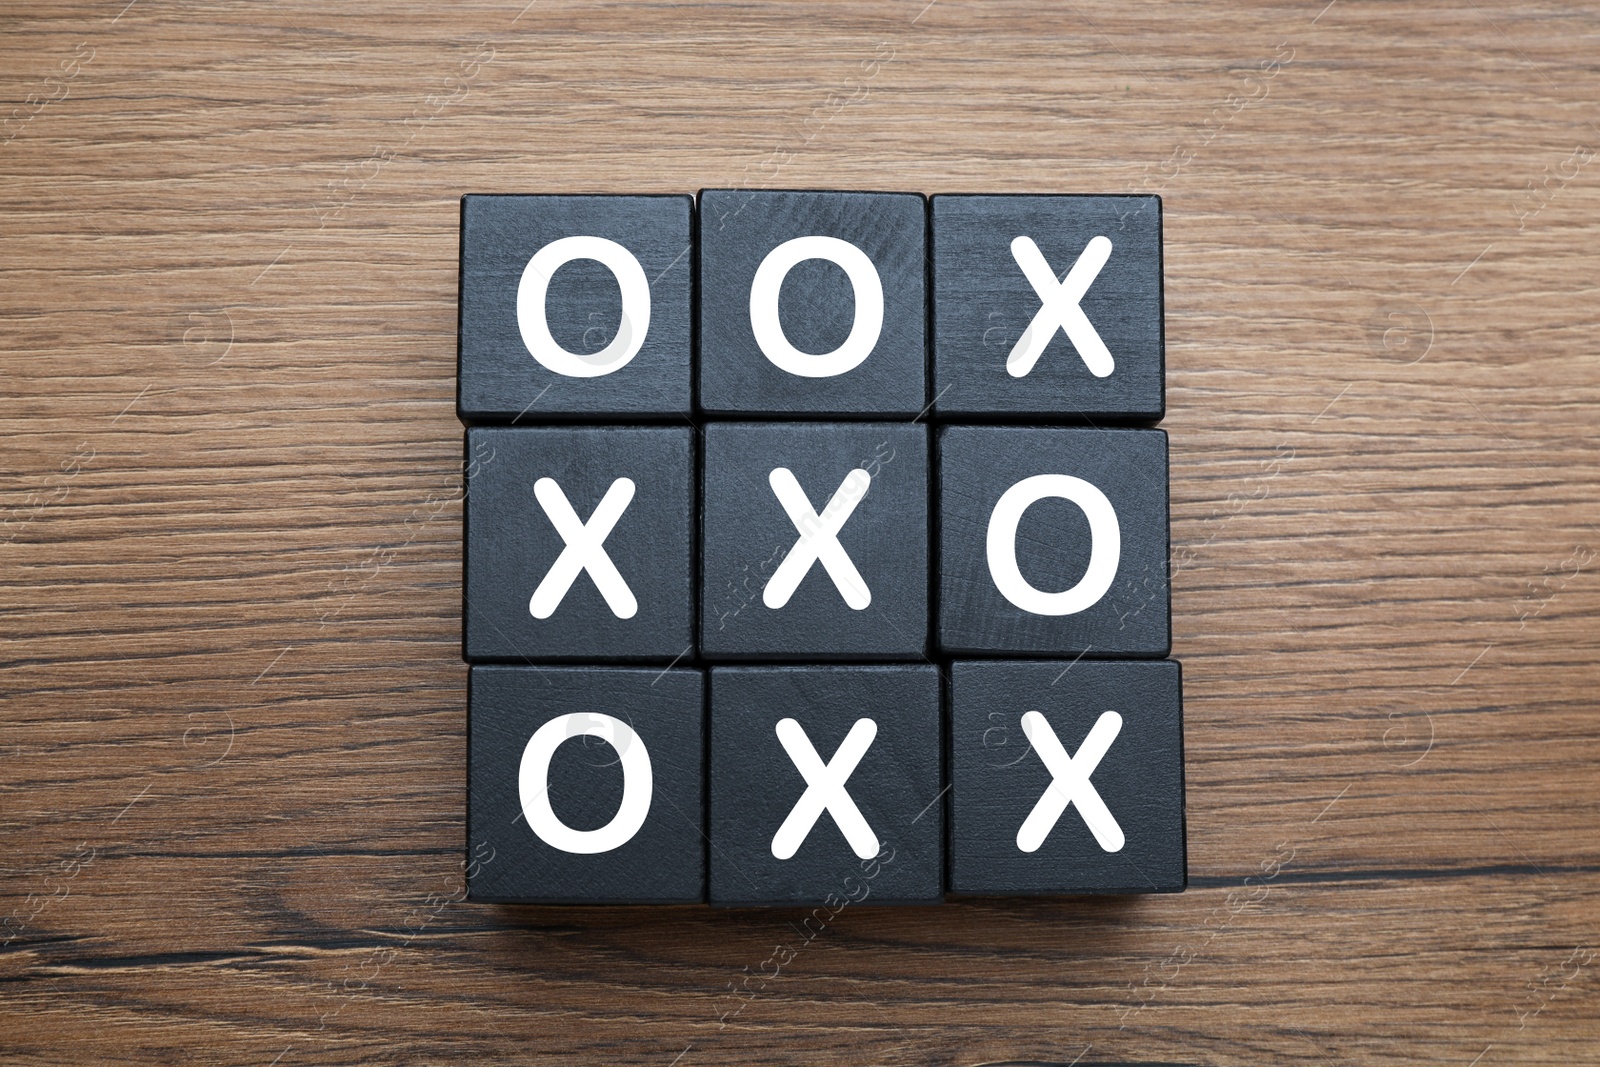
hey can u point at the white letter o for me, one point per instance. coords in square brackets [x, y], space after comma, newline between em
[535, 326]
[533, 784]
[1105, 545]
[764, 307]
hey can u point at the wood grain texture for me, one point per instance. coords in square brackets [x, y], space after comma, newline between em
[232, 752]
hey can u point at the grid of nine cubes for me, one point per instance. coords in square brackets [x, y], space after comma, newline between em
[816, 548]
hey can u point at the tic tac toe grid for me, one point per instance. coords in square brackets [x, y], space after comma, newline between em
[816, 548]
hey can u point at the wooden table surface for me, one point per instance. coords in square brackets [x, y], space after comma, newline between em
[232, 761]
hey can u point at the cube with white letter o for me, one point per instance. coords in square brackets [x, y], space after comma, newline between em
[585, 785]
[1053, 541]
[574, 306]
[812, 303]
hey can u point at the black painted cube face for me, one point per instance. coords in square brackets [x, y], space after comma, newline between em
[812, 303]
[578, 544]
[815, 541]
[586, 785]
[575, 306]
[1048, 306]
[825, 785]
[1066, 777]
[1053, 541]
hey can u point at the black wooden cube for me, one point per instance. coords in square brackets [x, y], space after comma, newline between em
[812, 303]
[815, 541]
[578, 544]
[825, 785]
[585, 785]
[574, 306]
[1066, 777]
[1048, 306]
[1053, 540]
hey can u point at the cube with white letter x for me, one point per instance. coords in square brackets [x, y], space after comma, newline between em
[578, 544]
[1066, 777]
[826, 785]
[574, 306]
[1053, 541]
[815, 541]
[1048, 306]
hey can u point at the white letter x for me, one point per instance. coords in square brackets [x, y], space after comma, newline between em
[819, 539]
[825, 789]
[1070, 782]
[584, 549]
[1058, 306]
